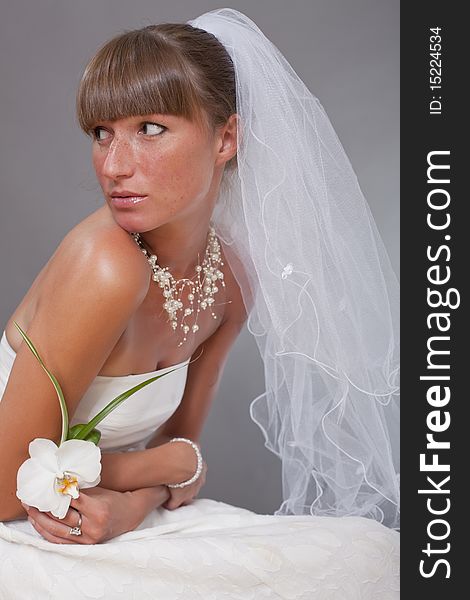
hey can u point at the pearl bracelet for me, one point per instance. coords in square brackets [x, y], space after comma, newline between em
[199, 464]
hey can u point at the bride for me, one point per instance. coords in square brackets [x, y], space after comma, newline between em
[227, 199]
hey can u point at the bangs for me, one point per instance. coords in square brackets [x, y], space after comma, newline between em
[136, 73]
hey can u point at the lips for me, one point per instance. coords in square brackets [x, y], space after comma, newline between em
[126, 194]
[127, 201]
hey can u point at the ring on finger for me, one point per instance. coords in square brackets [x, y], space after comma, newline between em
[77, 529]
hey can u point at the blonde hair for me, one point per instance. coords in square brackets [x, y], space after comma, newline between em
[169, 68]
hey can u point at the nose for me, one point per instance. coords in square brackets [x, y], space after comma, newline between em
[119, 161]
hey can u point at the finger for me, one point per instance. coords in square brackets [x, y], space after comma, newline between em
[55, 528]
[38, 515]
[84, 503]
[56, 539]
[173, 503]
[71, 518]
[47, 535]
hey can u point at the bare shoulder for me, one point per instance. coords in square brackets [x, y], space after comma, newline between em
[99, 249]
[98, 252]
[95, 256]
[93, 286]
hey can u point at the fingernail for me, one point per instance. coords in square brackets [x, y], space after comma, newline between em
[25, 506]
[32, 521]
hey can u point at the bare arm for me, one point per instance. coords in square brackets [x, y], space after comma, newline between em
[147, 499]
[84, 310]
[128, 471]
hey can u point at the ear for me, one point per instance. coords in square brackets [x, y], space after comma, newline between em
[226, 146]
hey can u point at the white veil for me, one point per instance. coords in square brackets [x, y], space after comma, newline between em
[325, 311]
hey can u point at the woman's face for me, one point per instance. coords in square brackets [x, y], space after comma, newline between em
[165, 158]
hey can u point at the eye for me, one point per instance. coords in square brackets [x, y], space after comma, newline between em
[154, 125]
[96, 130]
[95, 133]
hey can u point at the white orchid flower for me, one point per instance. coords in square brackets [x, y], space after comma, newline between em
[54, 474]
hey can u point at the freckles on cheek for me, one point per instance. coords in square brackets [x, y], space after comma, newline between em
[184, 175]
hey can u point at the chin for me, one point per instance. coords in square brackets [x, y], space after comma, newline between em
[128, 220]
[126, 223]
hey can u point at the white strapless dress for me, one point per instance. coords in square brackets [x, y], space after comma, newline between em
[207, 550]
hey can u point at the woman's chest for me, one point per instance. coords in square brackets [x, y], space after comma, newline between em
[153, 339]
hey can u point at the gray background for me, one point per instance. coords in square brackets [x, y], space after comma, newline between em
[346, 51]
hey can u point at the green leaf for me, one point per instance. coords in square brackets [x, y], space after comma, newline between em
[58, 389]
[94, 436]
[75, 433]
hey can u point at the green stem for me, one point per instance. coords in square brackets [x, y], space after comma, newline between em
[58, 389]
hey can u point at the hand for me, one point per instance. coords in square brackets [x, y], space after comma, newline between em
[105, 514]
[181, 496]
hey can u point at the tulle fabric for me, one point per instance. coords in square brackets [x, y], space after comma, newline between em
[304, 247]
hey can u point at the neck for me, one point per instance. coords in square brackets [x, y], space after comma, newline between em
[180, 247]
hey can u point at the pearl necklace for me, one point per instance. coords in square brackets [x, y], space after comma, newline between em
[202, 290]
